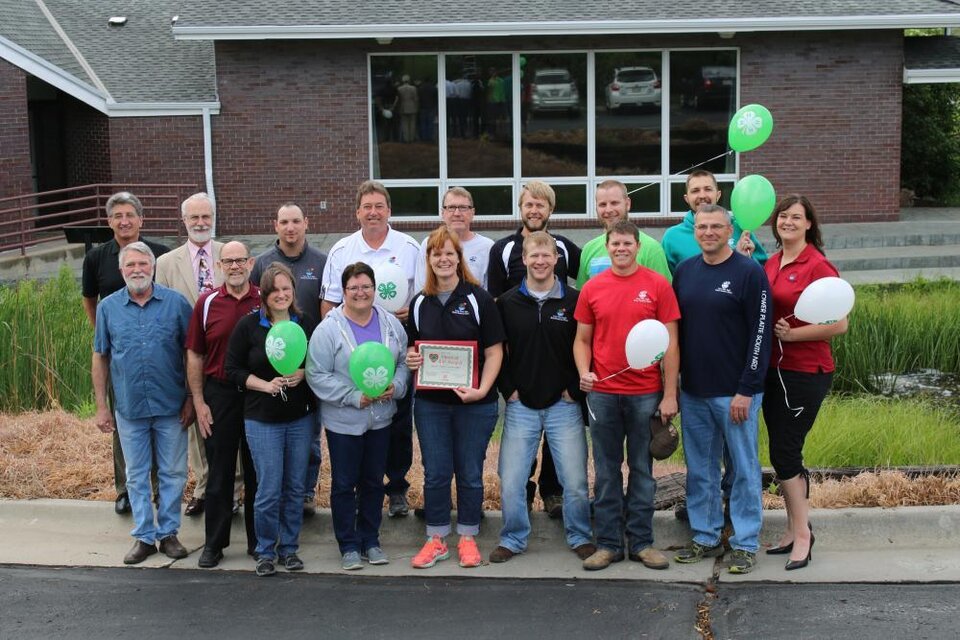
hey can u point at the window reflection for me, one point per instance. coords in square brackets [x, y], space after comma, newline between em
[553, 103]
[404, 116]
[628, 98]
[479, 123]
[702, 101]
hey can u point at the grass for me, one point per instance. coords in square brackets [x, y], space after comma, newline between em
[895, 329]
[45, 345]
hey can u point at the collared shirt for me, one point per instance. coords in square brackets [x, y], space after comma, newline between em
[213, 320]
[307, 267]
[101, 268]
[398, 248]
[145, 345]
[808, 356]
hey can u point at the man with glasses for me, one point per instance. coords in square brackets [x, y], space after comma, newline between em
[307, 265]
[537, 202]
[219, 404]
[457, 213]
[192, 269]
[101, 277]
[376, 243]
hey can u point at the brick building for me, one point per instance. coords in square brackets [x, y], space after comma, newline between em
[301, 101]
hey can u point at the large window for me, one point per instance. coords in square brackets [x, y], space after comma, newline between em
[491, 121]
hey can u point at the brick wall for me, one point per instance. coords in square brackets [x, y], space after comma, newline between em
[836, 101]
[157, 149]
[15, 171]
[293, 124]
[86, 142]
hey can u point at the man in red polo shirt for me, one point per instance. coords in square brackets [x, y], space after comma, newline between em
[218, 403]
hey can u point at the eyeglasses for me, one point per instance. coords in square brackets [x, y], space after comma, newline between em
[366, 288]
[229, 262]
[453, 208]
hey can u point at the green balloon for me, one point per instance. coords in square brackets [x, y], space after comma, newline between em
[372, 368]
[286, 347]
[750, 127]
[752, 201]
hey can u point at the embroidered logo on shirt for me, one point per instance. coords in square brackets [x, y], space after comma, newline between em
[461, 310]
[643, 297]
[792, 277]
[472, 259]
[309, 274]
[724, 288]
[561, 316]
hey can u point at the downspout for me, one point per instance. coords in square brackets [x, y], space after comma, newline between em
[208, 160]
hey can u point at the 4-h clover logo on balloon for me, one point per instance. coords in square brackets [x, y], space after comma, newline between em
[749, 123]
[375, 377]
[387, 290]
[276, 348]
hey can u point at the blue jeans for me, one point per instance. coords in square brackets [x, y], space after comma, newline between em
[453, 441]
[313, 463]
[562, 424]
[280, 452]
[161, 438]
[613, 418]
[357, 465]
[706, 427]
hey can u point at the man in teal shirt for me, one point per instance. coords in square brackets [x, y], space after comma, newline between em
[613, 205]
[678, 241]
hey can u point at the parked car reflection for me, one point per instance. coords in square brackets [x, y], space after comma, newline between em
[633, 86]
[554, 90]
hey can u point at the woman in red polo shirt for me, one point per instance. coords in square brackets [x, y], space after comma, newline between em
[801, 368]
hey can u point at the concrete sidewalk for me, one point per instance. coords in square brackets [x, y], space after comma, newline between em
[907, 544]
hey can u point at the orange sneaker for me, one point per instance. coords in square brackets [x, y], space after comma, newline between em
[434, 550]
[468, 552]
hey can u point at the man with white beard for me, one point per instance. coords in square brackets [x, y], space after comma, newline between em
[192, 270]
[140, 339]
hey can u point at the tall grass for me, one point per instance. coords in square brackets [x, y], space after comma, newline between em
[895, 329]
[45, 345]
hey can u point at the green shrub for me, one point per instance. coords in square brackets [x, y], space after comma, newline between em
[45, 345]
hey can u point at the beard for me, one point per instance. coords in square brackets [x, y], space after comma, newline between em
[138, 285]
[199, 235]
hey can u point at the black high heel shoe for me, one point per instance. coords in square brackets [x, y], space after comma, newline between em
[787, 548]
[800, 564]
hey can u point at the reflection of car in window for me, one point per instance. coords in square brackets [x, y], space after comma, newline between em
[635, 86]
[712, 89]
[554, 90]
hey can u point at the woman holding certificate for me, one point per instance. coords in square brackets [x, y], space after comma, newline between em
[456, 324]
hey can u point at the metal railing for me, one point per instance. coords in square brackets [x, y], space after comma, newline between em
[32, 218]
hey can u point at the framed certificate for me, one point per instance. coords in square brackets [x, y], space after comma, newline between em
[448, 364]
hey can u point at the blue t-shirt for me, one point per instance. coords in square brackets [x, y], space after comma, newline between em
[725, 328]
[146, 348]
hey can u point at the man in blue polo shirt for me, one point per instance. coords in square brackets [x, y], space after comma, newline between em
[140, 336]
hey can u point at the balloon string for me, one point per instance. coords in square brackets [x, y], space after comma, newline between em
[683, 171]
[283, 393]
[627, 368]
[786, 400]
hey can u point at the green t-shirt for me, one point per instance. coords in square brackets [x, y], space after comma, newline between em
[594, 258]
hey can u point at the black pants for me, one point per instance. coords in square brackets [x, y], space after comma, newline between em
[400, 451]
[226, 405]
[788, 431]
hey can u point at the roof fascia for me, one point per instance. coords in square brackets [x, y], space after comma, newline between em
[930, 76]
[52, 75]
[144, 109]
[557, 28]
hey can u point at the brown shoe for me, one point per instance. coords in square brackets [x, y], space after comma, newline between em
[194, 507]
[172, 548]
[585, 550]
[501, 554]
[601, 559]
[139, 552]
[651, 558]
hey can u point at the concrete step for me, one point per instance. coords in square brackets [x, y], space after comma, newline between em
[883, 276]
[893, 257]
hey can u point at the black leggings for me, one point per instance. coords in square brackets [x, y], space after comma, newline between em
[787, 431]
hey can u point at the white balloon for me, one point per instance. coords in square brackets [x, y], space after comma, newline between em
[392, 286]
[825, 301]
[646, 343]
